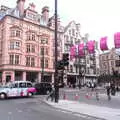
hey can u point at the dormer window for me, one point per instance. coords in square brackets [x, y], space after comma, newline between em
[31, 16]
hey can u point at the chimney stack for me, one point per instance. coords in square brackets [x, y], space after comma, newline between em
[20, 6]
[32, 6]
[45, 13]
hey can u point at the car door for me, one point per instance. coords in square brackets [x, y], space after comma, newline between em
[13, 90]
[22, 89]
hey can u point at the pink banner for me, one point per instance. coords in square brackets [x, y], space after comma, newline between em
[103, 43]
[72, 52]
[91, 46]
[117, 40]
[81, 49]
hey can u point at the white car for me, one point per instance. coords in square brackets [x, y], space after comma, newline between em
[17, 89]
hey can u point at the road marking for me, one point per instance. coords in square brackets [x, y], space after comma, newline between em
[79, 115]
[20, 111]
[9, 113]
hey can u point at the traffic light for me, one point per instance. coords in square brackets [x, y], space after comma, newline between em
[65, 59]
[60, 65]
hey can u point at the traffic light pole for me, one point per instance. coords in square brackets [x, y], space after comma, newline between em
[56, 71]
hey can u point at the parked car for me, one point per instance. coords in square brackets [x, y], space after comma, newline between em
[17, 89]
[43, 88]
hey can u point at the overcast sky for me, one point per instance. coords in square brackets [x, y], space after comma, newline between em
[98, 18]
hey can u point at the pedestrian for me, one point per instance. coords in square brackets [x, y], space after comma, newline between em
[51, 95]
[79, 85]
[97, 94]
[113, 90]
[92, 86]
[108, 92]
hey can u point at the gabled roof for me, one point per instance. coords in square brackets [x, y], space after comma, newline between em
[69, 24]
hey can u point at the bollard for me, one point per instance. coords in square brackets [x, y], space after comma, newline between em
[76, 96]
[87, 96]
[64, 96]
[97, 96]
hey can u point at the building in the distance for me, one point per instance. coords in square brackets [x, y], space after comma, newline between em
[109, 61]
[25, 36]
[71, 36]
[80, 69]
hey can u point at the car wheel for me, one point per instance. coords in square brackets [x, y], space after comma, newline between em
[30, 94]
[2, 96]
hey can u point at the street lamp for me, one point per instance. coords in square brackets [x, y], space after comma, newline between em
[43, 41]
[56, 60]
[85, 51]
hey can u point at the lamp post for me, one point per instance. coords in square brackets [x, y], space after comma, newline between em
[42, 73]
[85, 51]
[56, 71]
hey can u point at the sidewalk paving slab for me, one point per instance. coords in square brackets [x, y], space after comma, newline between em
[101, 113]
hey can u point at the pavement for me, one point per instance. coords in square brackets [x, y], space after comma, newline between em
[83, 109]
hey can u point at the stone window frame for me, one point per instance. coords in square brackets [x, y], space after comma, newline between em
[14, 45]
[15, 31]
[14, 59]
[30, 61]
[30, 48]
[31, 36]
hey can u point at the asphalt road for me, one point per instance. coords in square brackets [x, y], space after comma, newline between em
[33, 109]
[36, 109]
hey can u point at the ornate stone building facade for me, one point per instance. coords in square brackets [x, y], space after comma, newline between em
[80, 69]
[71, 37]
[23, 35]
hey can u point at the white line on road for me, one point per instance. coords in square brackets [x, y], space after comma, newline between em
[20, 111]
[9, 113]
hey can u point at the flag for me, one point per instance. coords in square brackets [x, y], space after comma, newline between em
[81, 49]
[117, 40]
[91, 46]
[72, 52]
[103, 43]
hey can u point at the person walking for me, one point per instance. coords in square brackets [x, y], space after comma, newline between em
[113, 90]
[51, 95]
[108, 92]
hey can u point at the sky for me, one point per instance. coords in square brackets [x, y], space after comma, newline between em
[98, 18]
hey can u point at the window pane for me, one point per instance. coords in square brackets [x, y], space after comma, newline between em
[28, 48]
[32, 62]
[27, 61]
[11, 45]
[11, 59]
[16, 59]
[22, 85]
[29, 85]
[17, 45]
[33, 49]
[17, 33]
